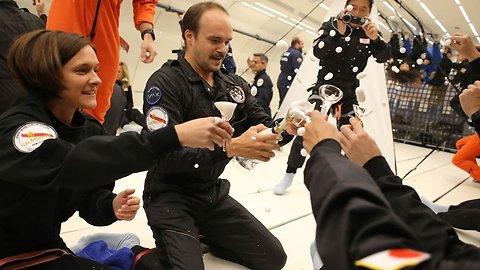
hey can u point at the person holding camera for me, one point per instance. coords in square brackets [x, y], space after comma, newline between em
[343, 47]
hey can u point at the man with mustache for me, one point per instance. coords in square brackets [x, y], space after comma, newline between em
[183, 196]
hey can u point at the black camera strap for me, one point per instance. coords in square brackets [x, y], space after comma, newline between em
[91, 36]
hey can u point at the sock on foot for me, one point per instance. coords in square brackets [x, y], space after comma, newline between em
[437, 208]
[281, 187]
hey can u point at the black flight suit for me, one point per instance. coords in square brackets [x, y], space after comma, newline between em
[183, 196]
[43, 188]
[290, 62]
[229, 62]
[356, 48]
[14, 22]
[263, 85]
[361, 212]
[472, 75]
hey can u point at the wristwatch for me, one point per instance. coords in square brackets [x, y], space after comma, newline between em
[148, 31]
[475, 116]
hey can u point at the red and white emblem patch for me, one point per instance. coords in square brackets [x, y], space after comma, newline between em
[31, 135]
[157, 117]
[392, 259]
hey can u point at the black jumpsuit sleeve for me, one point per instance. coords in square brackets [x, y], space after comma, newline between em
[354, 220]
[329, 43]
[97, 207]
[381, 50]
[475, 66]
[93, 162]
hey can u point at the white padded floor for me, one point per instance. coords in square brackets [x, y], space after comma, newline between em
[289, 217]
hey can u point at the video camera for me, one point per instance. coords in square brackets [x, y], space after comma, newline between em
[348, 18]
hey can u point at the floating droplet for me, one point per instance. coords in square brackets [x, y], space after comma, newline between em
[361, 75]
[360, 94]
[329, 76]
[301, 131]
[445, 40]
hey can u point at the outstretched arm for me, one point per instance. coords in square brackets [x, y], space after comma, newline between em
[143, 15]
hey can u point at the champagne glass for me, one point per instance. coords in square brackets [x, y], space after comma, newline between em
[330, 94]
[226, 109]
[361, 112]
[445, 40]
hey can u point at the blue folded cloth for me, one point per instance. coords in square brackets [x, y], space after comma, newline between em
[98, 251]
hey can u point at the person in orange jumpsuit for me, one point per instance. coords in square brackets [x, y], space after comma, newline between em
[465, 158]
[78, 17]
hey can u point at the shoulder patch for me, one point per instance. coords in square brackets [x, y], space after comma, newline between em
[237, 94]
[392, 259]
[299, 59]
[31, 135]
[254, 90]
[153, 95]
[156, 118]
[260, 82]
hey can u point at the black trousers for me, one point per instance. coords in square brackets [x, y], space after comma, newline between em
[282, 92]
[436, 236]
[177, 216]
[463, 216]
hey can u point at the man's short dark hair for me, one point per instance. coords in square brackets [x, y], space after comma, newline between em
[295, 41]
[36, 59]
[263, 57]
[371, 3]
[191, 18]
